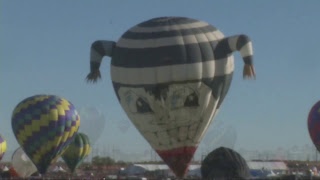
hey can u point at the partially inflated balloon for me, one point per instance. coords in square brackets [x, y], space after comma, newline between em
[77, 151]
[218, 135]
[314, 124]
[92, 123]
[44, 125]
[3, 146]
[170, 75]
[22, 163]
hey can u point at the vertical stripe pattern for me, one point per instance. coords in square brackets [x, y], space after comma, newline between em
[77, 151]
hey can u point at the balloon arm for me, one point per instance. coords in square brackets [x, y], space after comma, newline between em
[99, 49]
[241, 43]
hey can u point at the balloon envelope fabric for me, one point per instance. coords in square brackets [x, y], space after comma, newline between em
[3, 146]
[224, 163]
[89, 116]
[77, 151]
[44, 125]
[314, 124]
[22, 163]
[180, 70]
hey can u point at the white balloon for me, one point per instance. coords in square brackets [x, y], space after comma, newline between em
[92, 123]
[22, 164]
[218, 135]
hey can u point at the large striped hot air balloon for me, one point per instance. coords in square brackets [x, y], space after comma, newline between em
[170, 75]
[77, 151]
[44, 126]
[3, 146]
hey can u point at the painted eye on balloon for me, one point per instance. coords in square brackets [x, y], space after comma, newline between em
[137, 104]
[191, 100]
[142, 106]
[184, 97]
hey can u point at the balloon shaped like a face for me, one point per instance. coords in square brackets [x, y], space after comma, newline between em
[171, 75]
[22, 164]
[3, 146]
[77, 151]
[314, 124]
[44, 126]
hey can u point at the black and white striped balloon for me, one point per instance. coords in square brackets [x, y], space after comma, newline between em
[170, 75]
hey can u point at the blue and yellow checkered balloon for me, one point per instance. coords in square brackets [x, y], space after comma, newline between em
[44, 126]
[3, 146]
[77, 151]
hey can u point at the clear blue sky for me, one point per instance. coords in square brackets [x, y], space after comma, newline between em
[45, 49]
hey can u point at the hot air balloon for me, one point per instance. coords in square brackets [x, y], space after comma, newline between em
[219, 134]
[3, 146]
[44, 126]
[170, 75]
[77, 151]
[22, 163]
[90, 116]
[314, 124]
[224, 163]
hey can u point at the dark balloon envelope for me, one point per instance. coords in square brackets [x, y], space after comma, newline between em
[314, 124]
[171, 75]
[224, 163]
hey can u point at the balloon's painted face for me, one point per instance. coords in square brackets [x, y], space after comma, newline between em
[170, 105]
[171, 115]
